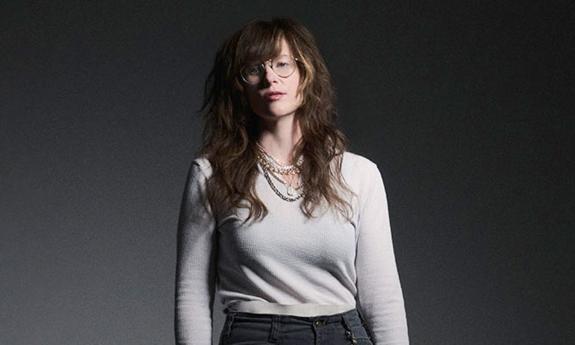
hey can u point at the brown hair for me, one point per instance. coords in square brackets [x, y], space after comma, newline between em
[230, 127]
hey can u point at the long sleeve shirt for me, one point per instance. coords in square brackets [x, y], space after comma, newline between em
[286, 263]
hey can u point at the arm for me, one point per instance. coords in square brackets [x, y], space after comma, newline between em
[196, 268]
[379, 289]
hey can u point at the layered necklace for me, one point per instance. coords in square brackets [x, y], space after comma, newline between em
[272, 167]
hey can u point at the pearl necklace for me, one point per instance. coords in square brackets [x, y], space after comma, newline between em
[274, 165]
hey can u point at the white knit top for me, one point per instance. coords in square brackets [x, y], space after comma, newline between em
[287, 264]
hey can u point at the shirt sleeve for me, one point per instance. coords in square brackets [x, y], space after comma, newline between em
[196, 267]
[379, 290]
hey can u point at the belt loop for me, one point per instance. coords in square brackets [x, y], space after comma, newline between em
[230, 316]
[275, 328]
[346, 321]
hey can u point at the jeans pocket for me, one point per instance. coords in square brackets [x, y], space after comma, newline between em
[246, 329]
[357, 334]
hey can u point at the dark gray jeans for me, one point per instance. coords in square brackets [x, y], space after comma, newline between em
[338, 329]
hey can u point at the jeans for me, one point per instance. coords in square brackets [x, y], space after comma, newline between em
[242, 328]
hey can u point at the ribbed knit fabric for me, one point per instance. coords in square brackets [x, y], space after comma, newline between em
[287, 264]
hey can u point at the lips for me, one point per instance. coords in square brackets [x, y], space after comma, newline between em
[272, 96]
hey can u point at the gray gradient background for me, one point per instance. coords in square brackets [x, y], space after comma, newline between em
[467, 109]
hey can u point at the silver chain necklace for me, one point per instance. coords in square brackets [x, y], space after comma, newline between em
[270, 165]
[286, 198]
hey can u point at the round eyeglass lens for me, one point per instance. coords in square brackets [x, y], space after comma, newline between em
[283, 65]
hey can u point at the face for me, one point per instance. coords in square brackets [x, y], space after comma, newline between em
[278, 106]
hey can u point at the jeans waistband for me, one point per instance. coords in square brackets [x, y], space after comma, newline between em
[303, 309]
[323, 319]
[351, 319]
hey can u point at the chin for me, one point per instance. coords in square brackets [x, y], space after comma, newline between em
[274, 112]
[280, 111]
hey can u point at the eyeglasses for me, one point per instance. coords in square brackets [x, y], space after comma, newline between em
[283, 66]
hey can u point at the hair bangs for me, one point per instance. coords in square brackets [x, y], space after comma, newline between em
[260, 43]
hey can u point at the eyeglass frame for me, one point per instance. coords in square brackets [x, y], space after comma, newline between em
[264, 63]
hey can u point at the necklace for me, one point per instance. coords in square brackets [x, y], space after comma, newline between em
[286, 198]
[272, 166]
[290, 190]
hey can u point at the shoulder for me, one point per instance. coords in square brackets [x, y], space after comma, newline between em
[361, 172]
[201, 164]
[357, 164]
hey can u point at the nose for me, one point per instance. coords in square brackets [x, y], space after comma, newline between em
[270, 75]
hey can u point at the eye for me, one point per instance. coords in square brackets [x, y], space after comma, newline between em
[253, 69]
[282, 62]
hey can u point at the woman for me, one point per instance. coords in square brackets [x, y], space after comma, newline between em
[289, 228]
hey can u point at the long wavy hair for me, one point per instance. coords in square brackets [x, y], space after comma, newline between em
[231, 128]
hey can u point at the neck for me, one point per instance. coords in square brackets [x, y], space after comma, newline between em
[279, 136]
